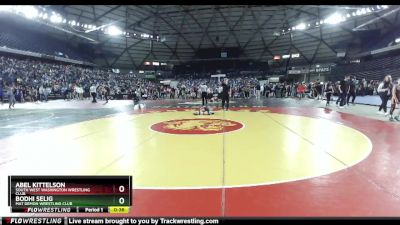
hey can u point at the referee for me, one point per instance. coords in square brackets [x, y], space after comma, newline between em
[93, 92]
[203, 89]
[225, 94]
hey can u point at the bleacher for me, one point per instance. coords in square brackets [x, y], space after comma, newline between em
[21, 38]
[374, 69]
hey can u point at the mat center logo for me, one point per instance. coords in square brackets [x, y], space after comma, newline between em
[197, 126]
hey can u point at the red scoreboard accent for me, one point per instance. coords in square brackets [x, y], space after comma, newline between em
[277, 57]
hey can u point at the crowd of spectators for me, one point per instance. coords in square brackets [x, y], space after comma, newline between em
[34, 80]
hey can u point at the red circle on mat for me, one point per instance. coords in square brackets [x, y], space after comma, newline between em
[197, 126]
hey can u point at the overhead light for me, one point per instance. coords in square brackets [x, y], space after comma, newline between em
[348, 15]
[296, 55]
[317, 66]
[309, 25]
[5, 7]
[78, 24]
[90, 26]
[397, 40]
[385, 6]
[358, 12]
[334, 19]
[73, 23]
[55, 18]
[301, 26]
[293, 28]
[368, 10]
[353, 13]
[285, 56]
[29, 11]
[321, 22]
[113, 31]
[85, 26]
[317, 23]
[44, 16]
[64, 21]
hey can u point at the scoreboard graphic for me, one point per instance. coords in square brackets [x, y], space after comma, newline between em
[70, 194]
[79, 194]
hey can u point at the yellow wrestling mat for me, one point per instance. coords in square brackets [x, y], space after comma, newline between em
[176, 149]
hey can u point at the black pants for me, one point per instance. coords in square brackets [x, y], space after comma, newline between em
[328, 97]
[225, 98]
[353, 95]
[338, 99]
[384, 98]
[392, 108]
[342, 97]
[106, 96]
[204, 98]
[94, 97]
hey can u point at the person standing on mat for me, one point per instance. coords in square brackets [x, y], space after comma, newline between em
[395, 101]
[352, 91]
[93, 92]
[225, 94]
[106, 92]
[328, 92]
[384, 91]
[11, 96]
[343, 91]
[203, 89]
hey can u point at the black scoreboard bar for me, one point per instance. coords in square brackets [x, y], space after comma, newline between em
[70, 194]
[174, 220]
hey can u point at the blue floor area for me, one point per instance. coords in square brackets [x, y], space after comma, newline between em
[368, 100]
